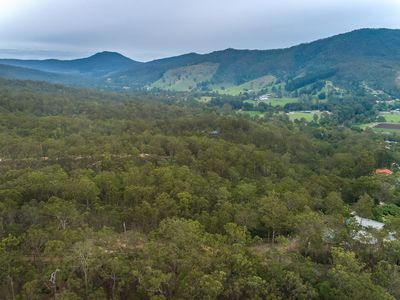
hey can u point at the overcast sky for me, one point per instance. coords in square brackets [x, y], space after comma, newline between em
[148, 29]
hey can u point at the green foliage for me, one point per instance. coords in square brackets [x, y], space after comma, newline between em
[364, 206]
[350, 282]
[386, 210]
[309, 78]
[129, 197]
[186, 78]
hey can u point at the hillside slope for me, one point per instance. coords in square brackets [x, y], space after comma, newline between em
[370, 55]
[365, 57]
[12, 72]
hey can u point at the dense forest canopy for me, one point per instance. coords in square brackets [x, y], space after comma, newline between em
[153, 196]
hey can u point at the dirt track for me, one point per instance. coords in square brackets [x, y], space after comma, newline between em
[388, 126]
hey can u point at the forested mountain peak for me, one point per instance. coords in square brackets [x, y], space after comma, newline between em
[108, 56]
[348, 60]
[96, 65]
[356, 57]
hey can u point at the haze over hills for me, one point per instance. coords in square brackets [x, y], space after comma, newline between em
[10, 71]
[99, 64]
[361, 57]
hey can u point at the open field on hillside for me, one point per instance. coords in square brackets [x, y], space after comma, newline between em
[282, 101]
[298, 115]
[391, 125]
[185, 78]
[276, 101]
[377, 127]
[233, 90]
[391, 117]
[252, 113]
[255, 85]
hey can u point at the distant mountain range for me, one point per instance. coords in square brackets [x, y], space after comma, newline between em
[365, 57]
[96, 65]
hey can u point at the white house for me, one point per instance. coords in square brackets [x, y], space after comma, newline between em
[366, 237]
[368, 223]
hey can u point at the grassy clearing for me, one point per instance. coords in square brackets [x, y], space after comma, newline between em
[232, 90]
[255, 85]
[282, 101]
[378, 130]
[186, 78]
[254, 102]
[391, 118]
[302, 115]
[259, 83]
[275, 101]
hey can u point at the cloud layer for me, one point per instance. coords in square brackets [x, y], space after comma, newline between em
[148, 29]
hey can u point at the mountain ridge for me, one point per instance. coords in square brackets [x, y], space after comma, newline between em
[101, 63]
[342, 51]
[362, 56]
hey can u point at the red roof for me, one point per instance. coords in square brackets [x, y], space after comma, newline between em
[383, 171]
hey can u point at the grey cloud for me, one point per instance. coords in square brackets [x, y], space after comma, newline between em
[148, 29]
